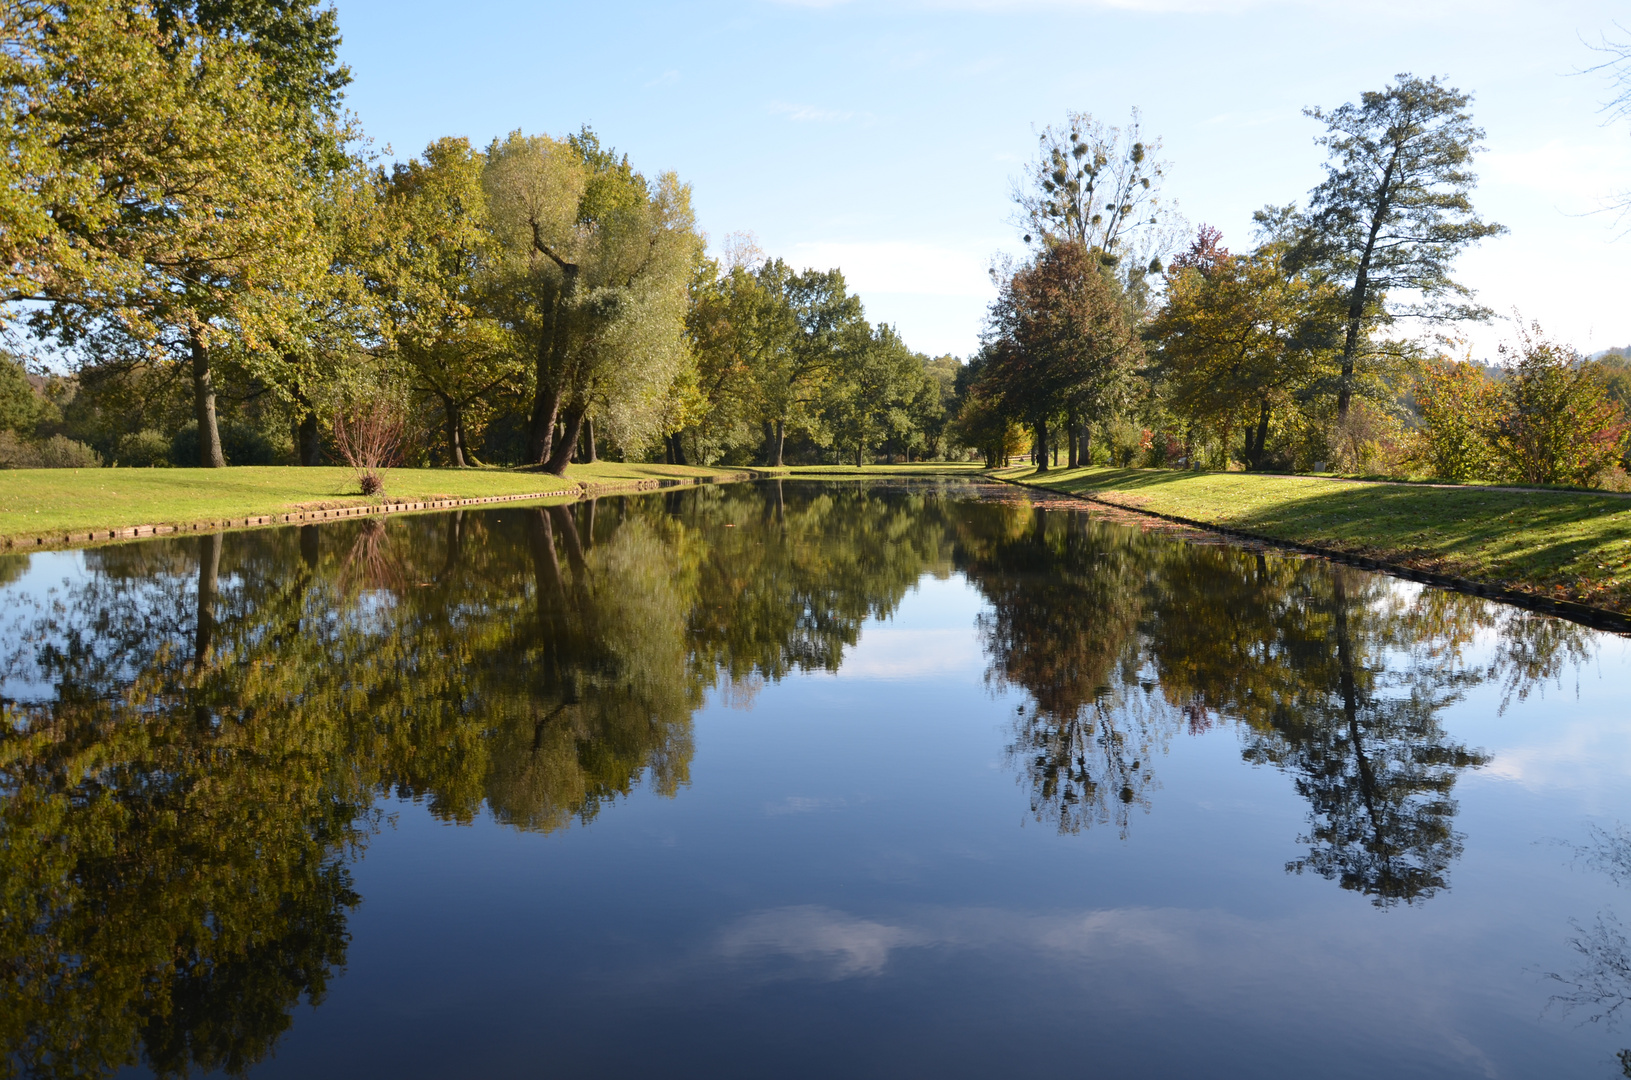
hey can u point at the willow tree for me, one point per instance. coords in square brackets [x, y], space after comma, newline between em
[595, 260]
[1395, 209]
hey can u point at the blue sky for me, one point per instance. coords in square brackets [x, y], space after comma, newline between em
[884, 137]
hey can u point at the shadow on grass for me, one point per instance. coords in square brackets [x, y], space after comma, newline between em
[1537, 538]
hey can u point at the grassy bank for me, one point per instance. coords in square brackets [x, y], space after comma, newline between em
[1562, 545]
[36, 502]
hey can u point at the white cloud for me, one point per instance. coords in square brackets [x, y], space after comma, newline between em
[888, 653]
[837, 945]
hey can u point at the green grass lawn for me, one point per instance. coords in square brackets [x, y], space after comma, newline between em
[42, 502]
[1561, 544]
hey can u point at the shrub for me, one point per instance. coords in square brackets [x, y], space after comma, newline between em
[143, 449]
[368, 435]
[1460, 412]
[240, 445]
[1125, 441]
[57, 452]
[1560, 426]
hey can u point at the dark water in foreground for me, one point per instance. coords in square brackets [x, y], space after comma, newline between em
[816, 780]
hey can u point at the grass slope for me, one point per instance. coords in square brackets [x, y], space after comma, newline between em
[55, 501]
[1560, 544]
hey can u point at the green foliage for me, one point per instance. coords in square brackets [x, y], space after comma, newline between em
[1394, 210]
[437, 258]
[144, 449]
[1060, 345]
[240, 443]
[1461, 409]
[21, 408]
[1560, 425]
[593, 273]
[56, 452]
[1241, 341]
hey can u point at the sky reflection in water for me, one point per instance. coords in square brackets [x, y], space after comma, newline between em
[882, 780]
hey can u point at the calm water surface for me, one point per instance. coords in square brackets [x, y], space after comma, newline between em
[799, 780]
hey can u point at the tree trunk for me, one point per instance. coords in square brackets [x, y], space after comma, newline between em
[778, 437]
[209, 436]
[574, 545]
[455, 543]
[1255, 447]
[857, 453]
[1073, 458]
[546, 568]
[1039, 453]
[546, 401]
[209, 570]
[1361, 289]
[455, 431]
[587, 451]
[309, 440]
[678, 449]
[558, 458]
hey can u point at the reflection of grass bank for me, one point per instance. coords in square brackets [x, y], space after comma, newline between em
[921, 468]
[1558, 544]
[55, 502]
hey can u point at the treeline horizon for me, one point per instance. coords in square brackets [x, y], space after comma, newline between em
[195, 220]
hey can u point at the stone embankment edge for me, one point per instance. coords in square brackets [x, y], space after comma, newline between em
[1595, 617]
[583, 490]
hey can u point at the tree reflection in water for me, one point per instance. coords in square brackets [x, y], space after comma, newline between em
[1122, 638]
[180, 807]
[1599, 987]
[220, 716]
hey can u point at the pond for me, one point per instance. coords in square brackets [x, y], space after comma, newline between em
[799, 779]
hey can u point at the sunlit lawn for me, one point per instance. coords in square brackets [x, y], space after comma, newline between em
[1564, 544]
[37, 502]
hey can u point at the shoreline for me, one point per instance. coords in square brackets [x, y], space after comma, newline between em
[1520, 594]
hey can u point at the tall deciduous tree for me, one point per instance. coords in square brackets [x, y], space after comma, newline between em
[1395, 209]
[179, 191]
[1060, 342]
[439, 251]
[597, 263]
[740, 320]
[1100, 186]
[792, 373]
[1238, 336]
